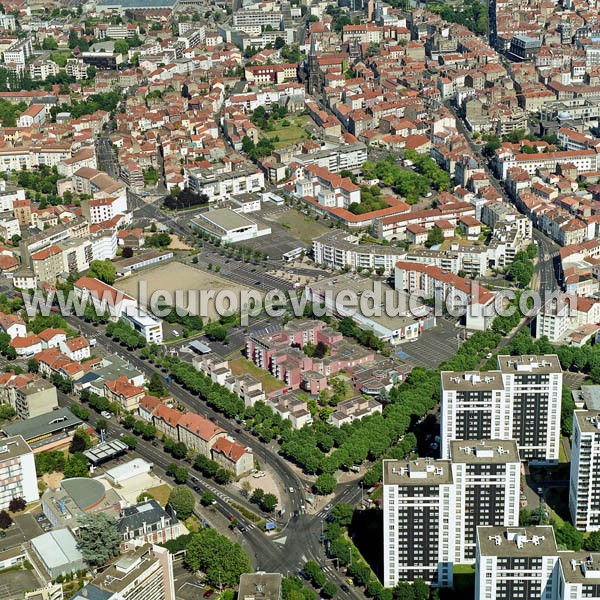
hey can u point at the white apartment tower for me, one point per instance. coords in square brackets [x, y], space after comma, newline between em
[520, 401]
[584, 488]
[146, 573]
[473, 407]
[486, 478]
[534, 386]
[519, 563]
[17, 471]
[419, 521]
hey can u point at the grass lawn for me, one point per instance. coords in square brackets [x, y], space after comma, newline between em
[300, 226]
[289, 135]
[464, 569]
[557, 501]
[239, 366]
[160, 493]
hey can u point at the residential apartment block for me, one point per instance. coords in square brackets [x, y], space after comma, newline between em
[419, 522]
[584, 488]
[487, 476]
[142, 574]
[17, 471]
[519, 563]
[520, 401]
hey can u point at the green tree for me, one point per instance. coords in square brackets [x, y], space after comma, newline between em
[130, 440]
[215, 332]
[315, 574]
[99, 538]
[268, 502]
[329, 589]
[221, 560]
[591, 543]
[81, 441]
[49, 43]
[435, 236]
[77, 466]
[7, 412]
[156, 385]
[325, 484]
[121, 47]
[179, 473]
[104, 270]
[182, 500]
[567, 537]
[207, 498]
[51, 461]
[342, 514]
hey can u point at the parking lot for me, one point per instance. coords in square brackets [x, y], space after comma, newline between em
[14, 584]
[24, 528]
[434, 346]
[236, 335]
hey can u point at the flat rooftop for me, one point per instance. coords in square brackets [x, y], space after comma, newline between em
[517, 541]
[530, 363]
[484, 452]
[472, 380]
[224, 218]
[581, 567]
[260, 586]
[47, 423]
[418, 472]
[588, 420]
[13, 447]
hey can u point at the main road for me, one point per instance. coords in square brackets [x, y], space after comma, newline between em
[545, 270]
[299, 539]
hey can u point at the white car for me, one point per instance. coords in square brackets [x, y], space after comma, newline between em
[106, 414]
[291, 490]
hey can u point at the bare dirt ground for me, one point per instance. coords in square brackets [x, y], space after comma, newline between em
[178, 244]
[52, 480]
[182, 283]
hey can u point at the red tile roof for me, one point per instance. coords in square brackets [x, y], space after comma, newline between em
[200, 426]
[230, 449]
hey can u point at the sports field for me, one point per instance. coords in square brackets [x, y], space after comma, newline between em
[179, 285]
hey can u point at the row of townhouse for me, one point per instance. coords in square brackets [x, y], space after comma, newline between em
[460, 296]
[28, 394]
[281, 354]
[585, 161]
[393, 228]
[15, 158]
[341, 250]
[288, 405]
[199, 434]
[120, 306]
[267, 97]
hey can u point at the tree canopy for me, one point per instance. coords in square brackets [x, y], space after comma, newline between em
[221, 560]
[104, 270]
[182, 500]
[99, 538]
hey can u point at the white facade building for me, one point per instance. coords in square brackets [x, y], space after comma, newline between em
[584, 488]
[419, 522]
[17, 472]
[520, 401]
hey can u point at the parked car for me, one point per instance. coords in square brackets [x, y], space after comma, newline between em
[328, 507]
[106, 414]
[344, 588]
